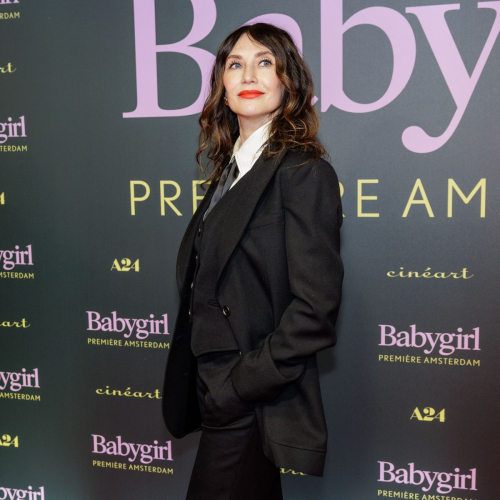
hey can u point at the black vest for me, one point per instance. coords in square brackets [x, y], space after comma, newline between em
[210, 328]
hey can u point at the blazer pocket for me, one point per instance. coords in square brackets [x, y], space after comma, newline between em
[266, 219]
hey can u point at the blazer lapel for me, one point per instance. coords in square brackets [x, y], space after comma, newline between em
[186, 246]
[241, 209]
[235, 222]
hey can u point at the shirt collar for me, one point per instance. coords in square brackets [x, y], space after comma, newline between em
[247, 153]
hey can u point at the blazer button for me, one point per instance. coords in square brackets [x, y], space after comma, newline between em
[199, 230]
[189, 312]
[226, 311]
[192, 284]
[196, 256]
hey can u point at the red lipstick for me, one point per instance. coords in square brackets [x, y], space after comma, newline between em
[250, 94]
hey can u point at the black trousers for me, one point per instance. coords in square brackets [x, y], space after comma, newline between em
[230, 463]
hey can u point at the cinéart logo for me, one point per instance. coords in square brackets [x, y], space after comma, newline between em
[129, 393]
[14, 324]
[143, 453]
[442, 482]
[16, 494]
[8, 68]
[439, 345]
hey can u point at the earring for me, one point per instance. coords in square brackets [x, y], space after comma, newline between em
[225, 100]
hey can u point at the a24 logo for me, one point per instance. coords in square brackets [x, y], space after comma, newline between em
[7, 440]
[428, 415]
[126, 265]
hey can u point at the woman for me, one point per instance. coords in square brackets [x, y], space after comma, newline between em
[259, 274]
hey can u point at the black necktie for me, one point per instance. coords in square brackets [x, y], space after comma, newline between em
[229, 175]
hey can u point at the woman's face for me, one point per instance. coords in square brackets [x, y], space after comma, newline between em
[253, 88]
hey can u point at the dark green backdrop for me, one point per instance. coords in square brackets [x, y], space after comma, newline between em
[71, 70]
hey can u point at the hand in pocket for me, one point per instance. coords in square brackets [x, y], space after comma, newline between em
[222, 404]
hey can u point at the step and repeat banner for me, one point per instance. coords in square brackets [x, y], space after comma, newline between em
[98, 130]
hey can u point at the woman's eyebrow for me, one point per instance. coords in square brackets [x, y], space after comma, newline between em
[258, 54]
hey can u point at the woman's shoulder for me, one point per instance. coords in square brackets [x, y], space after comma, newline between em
[300, 159]
[301, 172]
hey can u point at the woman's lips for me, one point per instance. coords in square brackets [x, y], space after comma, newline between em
[250, 94]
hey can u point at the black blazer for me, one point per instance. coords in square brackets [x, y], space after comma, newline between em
[286, 228]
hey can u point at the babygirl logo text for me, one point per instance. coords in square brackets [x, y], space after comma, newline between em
[13, 129]
[144, 452]
[395, 26]
[16, 494]
[16, 381]
[12, 258]
[444, 482]
[444, 343]
[141, 327]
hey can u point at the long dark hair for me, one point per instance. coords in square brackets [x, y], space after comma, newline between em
[295, 123]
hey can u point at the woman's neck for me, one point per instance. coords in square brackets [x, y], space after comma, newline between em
[248, 126]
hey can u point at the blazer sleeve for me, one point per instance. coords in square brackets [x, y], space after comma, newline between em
[313, 216]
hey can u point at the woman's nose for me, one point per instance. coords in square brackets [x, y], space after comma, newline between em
[249, 75]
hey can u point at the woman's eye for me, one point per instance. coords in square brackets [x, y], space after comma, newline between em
[269, 63]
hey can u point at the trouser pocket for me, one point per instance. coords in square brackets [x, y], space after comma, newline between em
[220, 404]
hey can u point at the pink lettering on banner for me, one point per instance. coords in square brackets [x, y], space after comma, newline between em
[443, 482]
[450, 62]
[444, 343]
[17, 494]
[401, 38]
[12, 258]
[394, 25]
[144, 452]
[146, 48]
[15, 381]
[141, 328]
[13, 129]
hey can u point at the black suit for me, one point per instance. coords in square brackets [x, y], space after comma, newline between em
[282, 238]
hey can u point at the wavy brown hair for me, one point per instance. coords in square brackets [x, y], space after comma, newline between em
[295, 122]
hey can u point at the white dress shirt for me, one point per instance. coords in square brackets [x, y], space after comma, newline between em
[248, 152]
